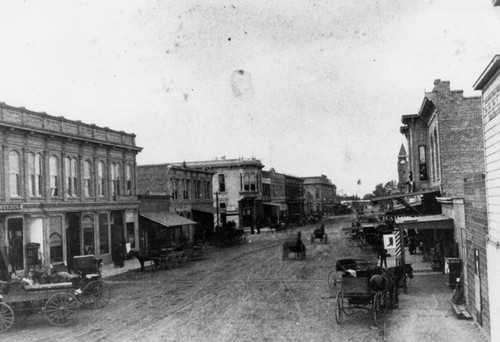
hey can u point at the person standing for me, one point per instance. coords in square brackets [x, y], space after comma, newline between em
[383, 257]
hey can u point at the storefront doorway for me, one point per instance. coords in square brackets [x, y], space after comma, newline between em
[15, 237]
[73, 246]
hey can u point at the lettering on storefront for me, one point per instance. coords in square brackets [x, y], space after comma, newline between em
[10, 207]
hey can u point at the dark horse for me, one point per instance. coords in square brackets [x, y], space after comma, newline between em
[143, 257]
[389, 280]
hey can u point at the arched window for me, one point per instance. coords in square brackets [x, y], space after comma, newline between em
[35, 174]
[246, 181]
[15, 174]
[115, 178]
[54, 175]
[74, 175]
[87, 179]
[38, 175]
[128, 180]
[100, 178]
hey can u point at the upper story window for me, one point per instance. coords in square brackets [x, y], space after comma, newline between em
[422, 159]
[222, 183]
[70, 168]
[128, 180]
[15, 174]
[208, 191]
[175, 189]
[54, 175]
[317, 192]
[115, 178]
[185, 190]
[246, 181]
[100, 178]
[87, 179]
[197, 189]
[253, 186]
[35, 183]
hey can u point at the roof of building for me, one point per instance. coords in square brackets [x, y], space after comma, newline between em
[488, 73]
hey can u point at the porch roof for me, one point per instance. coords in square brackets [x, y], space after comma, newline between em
[165, 218]
[425, 222]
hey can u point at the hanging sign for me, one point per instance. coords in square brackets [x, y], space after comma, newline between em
[389, 241]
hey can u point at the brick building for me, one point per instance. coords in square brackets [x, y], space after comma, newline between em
[294, 193]
[189, 191]
[67, 188]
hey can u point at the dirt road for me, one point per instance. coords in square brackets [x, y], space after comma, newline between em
[239, 293]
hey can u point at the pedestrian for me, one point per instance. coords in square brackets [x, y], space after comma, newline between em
[383, 257]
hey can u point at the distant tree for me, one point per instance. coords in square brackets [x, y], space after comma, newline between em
[368, 196]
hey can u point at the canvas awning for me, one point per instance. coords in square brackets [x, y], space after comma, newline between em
[425, 222]
[167, 219]
[282, 206]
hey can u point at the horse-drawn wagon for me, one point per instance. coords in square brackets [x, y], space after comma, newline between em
[294, 245]
[319, 233]
[367, 288]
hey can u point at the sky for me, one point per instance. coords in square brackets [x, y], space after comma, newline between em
[306, 87]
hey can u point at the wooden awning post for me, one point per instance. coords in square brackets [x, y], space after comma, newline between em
[403, 261]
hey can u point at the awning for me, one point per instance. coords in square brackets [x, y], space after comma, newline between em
[210, 210]
[282, 206]
[166, 219]
[425, 222]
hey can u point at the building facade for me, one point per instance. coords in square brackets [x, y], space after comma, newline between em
[189, 189]
[294, 193]
[489, 84]
[67, 188]
[319, 193]
[238, 189]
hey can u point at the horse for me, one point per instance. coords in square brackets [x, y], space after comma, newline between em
[389, 280]
[142, 257]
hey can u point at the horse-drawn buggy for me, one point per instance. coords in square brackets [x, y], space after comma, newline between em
[368, 287]
[55, 293]
[294, 245]
[319, 233]
[229, 235]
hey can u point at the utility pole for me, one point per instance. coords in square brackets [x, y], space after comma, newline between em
[217, 206]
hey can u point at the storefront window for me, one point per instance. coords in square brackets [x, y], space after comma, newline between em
[88, 235]
[15, 235]
[56, 249]
[103, 234]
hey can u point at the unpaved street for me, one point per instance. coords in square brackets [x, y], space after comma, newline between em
[240, 293]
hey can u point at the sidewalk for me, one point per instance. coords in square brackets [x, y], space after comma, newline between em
[110, 270]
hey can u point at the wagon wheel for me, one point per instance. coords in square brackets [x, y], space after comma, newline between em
[380, 305]
[339, 307]
[376, 307]
[95, 295]
[61, 309]
[6, 317]
[349, 241]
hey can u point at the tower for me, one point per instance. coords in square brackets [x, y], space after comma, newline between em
[402, 167]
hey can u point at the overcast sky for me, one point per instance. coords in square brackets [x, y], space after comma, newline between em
[307, 87]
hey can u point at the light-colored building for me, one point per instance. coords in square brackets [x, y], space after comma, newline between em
[320, 194]
[67, 188]
[489, 84]
[237, 184]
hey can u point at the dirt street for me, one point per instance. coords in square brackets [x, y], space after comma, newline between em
[239, 293]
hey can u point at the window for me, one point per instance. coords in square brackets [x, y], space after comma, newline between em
[246, 182]
[103, 234]
[15, 173]
[208, 191]
[54, 175]
[35, 175]
[88, 235]
[70, 169]
[252, 182]
[100, 179]
[197, 189]
[87, 179]
[317, 193]
[56, 249]
[128, 180]
[115, 178]
[185, 190]
[222, 183]
[175, 189]
[422, 163]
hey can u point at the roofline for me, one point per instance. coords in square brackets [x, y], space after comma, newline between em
[487, 73]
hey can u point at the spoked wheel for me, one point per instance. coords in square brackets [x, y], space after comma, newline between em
[6, 317]
[380, 305]
[61, 309]
[95, 295]
[339, 308]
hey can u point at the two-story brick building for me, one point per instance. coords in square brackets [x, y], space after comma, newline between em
[319, 193]
[67, 188]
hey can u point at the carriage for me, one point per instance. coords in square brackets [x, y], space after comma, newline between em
[367, 287]
[56, 294]
[294, 245]
[319, 233]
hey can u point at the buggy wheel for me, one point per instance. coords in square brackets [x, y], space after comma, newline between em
[339, 308]
[325, 238]
[376, 307]
[6, 317]
[61, 309]
[95, 295]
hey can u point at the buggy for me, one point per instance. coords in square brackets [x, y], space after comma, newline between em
[294, 245]
[319, 233]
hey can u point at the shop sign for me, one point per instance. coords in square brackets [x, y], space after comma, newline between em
[11, 207]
